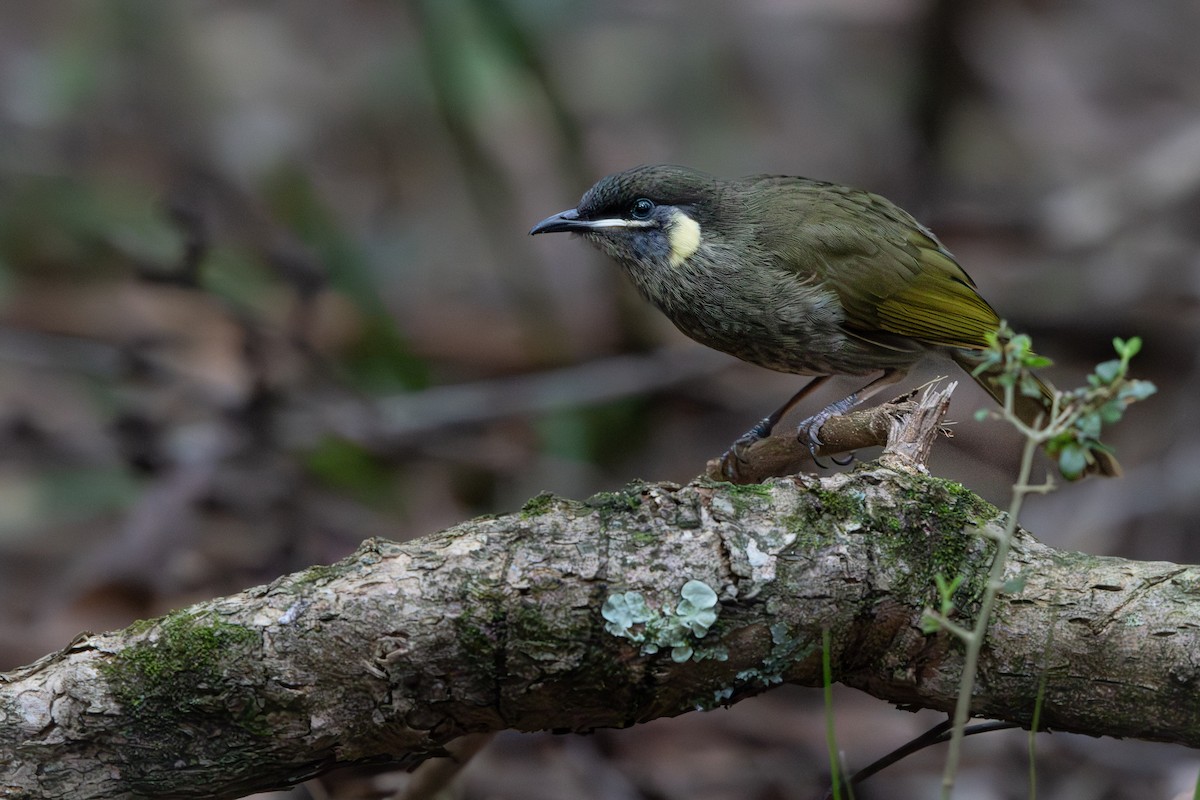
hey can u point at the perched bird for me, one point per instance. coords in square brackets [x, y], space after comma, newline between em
[795, 275]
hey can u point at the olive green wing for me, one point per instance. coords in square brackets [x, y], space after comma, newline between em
[939, 304]
[891, 274]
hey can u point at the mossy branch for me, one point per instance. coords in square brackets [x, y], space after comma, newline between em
[501, 623]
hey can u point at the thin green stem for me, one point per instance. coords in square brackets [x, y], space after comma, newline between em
[835, 761]
[948, 625]
[1034, 725]
[974, 643]
[1077, 417]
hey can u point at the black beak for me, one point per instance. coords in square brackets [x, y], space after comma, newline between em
[566, 221]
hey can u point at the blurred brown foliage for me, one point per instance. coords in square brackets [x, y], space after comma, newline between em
[265, 291]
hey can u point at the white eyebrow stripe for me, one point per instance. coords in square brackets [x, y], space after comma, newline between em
[615, 222]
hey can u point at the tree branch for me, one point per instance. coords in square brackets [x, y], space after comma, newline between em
[906, 427]
[509, 622]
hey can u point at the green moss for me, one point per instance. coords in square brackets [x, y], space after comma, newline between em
[628, 499]
[537, 505]
[480, 627]
[932, 531]
[962, 500]
[173, 685]
[746, 497]
[527, 624]
[817, 519]
[477, 638]
[809, 535]
[843, 504]
[495, 628]
[616, 504]
[760, 490]
[320, 573]
[642, 538]
[140, 626]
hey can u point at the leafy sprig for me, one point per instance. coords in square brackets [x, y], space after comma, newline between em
[1070, 430]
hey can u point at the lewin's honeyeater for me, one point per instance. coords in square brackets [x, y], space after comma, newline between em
[795, 275]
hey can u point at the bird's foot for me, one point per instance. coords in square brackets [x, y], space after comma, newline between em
[738, 452]
[809, 430]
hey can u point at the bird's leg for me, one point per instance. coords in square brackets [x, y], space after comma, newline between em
[809, 429]
[762, 429]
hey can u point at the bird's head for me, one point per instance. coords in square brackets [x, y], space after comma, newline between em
[652, 217]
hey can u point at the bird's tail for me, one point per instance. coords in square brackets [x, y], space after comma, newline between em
[1028, 408]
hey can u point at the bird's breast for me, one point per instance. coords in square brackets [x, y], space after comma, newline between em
[758, 313]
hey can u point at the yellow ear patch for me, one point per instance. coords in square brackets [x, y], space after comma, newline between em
[684, 235]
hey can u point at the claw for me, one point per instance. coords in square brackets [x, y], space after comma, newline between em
[807, 433]
[809, 429]
[760, 431]
[737, 453]
[729, 466]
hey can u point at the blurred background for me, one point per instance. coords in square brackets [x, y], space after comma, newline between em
[266, 291]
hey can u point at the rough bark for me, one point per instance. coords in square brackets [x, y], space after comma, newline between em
[907, 426]
[497, 623]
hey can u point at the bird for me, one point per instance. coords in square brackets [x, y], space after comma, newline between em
[799, 276]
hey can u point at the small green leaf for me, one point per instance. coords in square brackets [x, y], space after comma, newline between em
[1030, 386]
[1112, 411]
[1088, 426]
[1034, 361]
[946, 588]
[1127, 349]
[1109, 371]
[1072, 461]
[1137, 390]
[988, 361]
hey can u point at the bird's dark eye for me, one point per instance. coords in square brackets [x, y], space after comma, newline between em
[641, 208]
